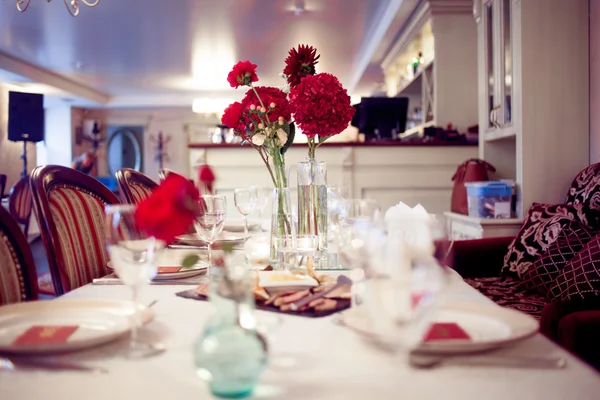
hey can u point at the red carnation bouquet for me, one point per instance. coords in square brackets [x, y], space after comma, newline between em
[320, 106]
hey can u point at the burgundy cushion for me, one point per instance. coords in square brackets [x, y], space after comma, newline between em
[506, 292]
[540, 276]
[540, 229]
[580, 278]
[585, 188]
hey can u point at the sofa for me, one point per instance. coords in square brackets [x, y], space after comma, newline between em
[550, 270]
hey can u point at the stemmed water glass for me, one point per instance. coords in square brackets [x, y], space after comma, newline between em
[246, 201]
[133, 255]
[210, 224]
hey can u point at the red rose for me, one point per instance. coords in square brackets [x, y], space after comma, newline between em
[232, 117]
[206, 177]
[242, 74]
[170, 210]
[321, 106]
[268, 95]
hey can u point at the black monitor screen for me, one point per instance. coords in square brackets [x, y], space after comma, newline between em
[381, 116]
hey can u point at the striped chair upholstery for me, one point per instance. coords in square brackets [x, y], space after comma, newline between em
[163, 173]
[20, 203]
[133, 185]
[18, 279]
[72, 206]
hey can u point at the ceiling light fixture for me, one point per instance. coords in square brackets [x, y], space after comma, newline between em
[72, 5]
[299, 7]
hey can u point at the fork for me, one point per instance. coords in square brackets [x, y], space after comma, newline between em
[17, 363]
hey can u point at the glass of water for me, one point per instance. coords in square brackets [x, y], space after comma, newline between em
[210, 225]
[133, 255]
[246, 201]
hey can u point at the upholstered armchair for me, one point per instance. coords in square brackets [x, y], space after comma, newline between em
[573, 323]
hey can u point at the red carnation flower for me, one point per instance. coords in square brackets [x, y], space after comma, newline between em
[300, 63]
[242, 74]
[232, 117]
[321, 105]
[268, 95]
[170, 210]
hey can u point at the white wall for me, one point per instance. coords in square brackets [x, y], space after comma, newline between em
[58, 136]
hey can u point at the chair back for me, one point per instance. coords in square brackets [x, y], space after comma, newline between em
[585, 188]
[164, 172]
[2, 185]
[133, 185]
[71, 206]
[18, 279]
[20, 203]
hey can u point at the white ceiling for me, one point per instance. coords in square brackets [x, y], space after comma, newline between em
[167, 52]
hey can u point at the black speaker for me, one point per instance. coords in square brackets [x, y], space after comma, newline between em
[25, 117]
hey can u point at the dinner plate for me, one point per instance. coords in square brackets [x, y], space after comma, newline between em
[94, 322]
[173, 258]
[489, 326]
[238, 226]
[193, 239]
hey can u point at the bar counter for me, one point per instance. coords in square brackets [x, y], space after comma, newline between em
[388, 172]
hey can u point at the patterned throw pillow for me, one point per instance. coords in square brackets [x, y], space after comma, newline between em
[580, 278]
[540, 229]
[571, 239]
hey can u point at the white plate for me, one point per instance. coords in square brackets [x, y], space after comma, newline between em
[281, 281]
[174, 258]
[489, 327]
[98, 321]
[238, 226]
[193, 239]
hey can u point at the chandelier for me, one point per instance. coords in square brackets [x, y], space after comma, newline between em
[72, 5]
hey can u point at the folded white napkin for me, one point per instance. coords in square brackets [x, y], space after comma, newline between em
[411, 228]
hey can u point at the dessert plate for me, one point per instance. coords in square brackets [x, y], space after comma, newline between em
[169, 265]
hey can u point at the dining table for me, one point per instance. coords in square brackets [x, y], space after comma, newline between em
[324, 361]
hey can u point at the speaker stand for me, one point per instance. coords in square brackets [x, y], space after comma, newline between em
[24, 158]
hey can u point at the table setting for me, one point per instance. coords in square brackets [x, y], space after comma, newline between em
[339, 299]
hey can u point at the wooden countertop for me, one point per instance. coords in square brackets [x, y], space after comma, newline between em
[343, 144]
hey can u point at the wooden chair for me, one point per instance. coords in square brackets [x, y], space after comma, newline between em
[2, 185]
[71, 206]
[20, 203]
[18, 279]
[133, 185]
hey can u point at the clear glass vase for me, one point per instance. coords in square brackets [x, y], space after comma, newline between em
[312, 204]
[283, 226]
[230, 355]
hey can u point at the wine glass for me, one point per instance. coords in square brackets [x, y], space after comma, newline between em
[246, 201]
[133, 255]
[210, 224]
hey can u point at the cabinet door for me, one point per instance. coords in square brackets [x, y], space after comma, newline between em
[488, 12]
[505, 66]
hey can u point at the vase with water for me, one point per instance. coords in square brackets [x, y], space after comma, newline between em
[312, 204]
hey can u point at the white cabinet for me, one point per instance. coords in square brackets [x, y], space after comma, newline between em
[462, 227]
[533, 85]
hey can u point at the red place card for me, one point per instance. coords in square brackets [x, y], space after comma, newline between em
[45, 335]
[446, 331]
[168, 270]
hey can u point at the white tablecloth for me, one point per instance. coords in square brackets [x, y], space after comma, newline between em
[333, 363]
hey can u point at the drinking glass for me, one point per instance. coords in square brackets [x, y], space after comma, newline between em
[210, 224]
[133, 255]
[246, 201]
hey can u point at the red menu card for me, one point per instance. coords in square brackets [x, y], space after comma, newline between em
[45, 335]
[446, 331]
[168, 270]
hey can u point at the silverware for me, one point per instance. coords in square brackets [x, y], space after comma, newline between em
[431, 361]
[17, 363]
[341, 281]
[117, 281]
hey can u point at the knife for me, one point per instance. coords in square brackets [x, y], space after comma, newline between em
[14, 363]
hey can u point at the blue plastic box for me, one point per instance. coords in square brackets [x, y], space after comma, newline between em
[490, 199]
